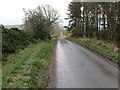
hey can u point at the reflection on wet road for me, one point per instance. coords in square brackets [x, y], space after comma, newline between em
[77, 67]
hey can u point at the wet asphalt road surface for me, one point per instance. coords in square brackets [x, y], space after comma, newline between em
[77, 67]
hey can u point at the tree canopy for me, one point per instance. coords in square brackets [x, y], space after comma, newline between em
[40, 20]
[94, 19]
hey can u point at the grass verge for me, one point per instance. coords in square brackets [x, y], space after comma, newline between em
[106, 49]
[27, 69]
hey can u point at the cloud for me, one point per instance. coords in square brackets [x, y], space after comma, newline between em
[11, 10]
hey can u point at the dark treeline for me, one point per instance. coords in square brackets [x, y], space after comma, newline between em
[95, 19]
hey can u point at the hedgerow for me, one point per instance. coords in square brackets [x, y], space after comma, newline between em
[14, 39]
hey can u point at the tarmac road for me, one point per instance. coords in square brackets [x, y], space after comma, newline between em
[77, 67]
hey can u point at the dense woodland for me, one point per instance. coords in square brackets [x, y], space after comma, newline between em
[95, 19]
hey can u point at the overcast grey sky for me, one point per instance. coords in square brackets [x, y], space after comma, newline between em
[11, 11]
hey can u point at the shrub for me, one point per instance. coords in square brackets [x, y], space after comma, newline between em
[13, 40]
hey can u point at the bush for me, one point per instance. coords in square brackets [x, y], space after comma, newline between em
[13, 40]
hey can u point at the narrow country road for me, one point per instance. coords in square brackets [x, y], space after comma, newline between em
[77, 67]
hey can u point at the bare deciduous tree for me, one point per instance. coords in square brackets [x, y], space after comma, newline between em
[41, 19]
[50, 14]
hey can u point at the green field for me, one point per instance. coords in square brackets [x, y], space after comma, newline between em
[27, 69]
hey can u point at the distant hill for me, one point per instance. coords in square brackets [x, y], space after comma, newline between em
[14, 26]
